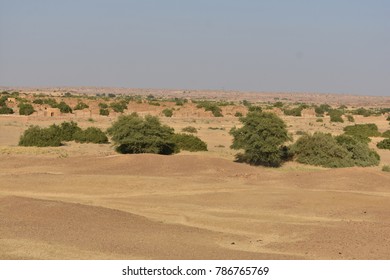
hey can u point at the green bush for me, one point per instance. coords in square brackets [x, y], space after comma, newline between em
[325, 150]
[384, 144]
[81, 106]
[321, 149]
[190, 129]
[91, 135]
[6, 110]
[64, 108]
[118, 107]
[167, 112]
[104, 112]
[189, 143]
[26, 109]
[386, 134]
[296, 112]
[362, 130]
[335, 116]
[3, 99]
[261, 137]
[67, 130]
[40, 137]
[133, 135]
[319, 120]
[322, 109]
[238, 114]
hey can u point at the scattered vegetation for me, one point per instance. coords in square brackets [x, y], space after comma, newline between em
[238, 114]
[261, 137]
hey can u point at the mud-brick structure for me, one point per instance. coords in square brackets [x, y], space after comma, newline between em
[51, 112]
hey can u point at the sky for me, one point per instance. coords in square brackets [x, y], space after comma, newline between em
[323, 46]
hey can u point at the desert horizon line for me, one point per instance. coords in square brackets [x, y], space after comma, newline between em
[70, 87]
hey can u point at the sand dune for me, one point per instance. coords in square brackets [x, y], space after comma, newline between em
[188, 207]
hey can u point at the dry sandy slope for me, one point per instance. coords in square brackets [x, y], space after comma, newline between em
[188, 207]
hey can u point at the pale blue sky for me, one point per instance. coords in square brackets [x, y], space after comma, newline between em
[312, 46]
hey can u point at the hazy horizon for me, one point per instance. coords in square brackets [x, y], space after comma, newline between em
[259, 46]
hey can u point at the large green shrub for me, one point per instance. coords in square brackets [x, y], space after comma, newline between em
[335, 116]
[384, 144]
[261, 137]
[189, 142]
[325, 150]
[40, 137]
[26, 109]
[91, 135]
[321, 149]
[64, 108]
[133, 134]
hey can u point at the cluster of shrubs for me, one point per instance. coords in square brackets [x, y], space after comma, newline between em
[54, 135]
[133, 134]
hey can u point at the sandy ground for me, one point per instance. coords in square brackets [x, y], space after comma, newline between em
[84, 201]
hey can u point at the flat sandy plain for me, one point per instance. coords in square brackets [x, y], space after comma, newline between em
[85, 201]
